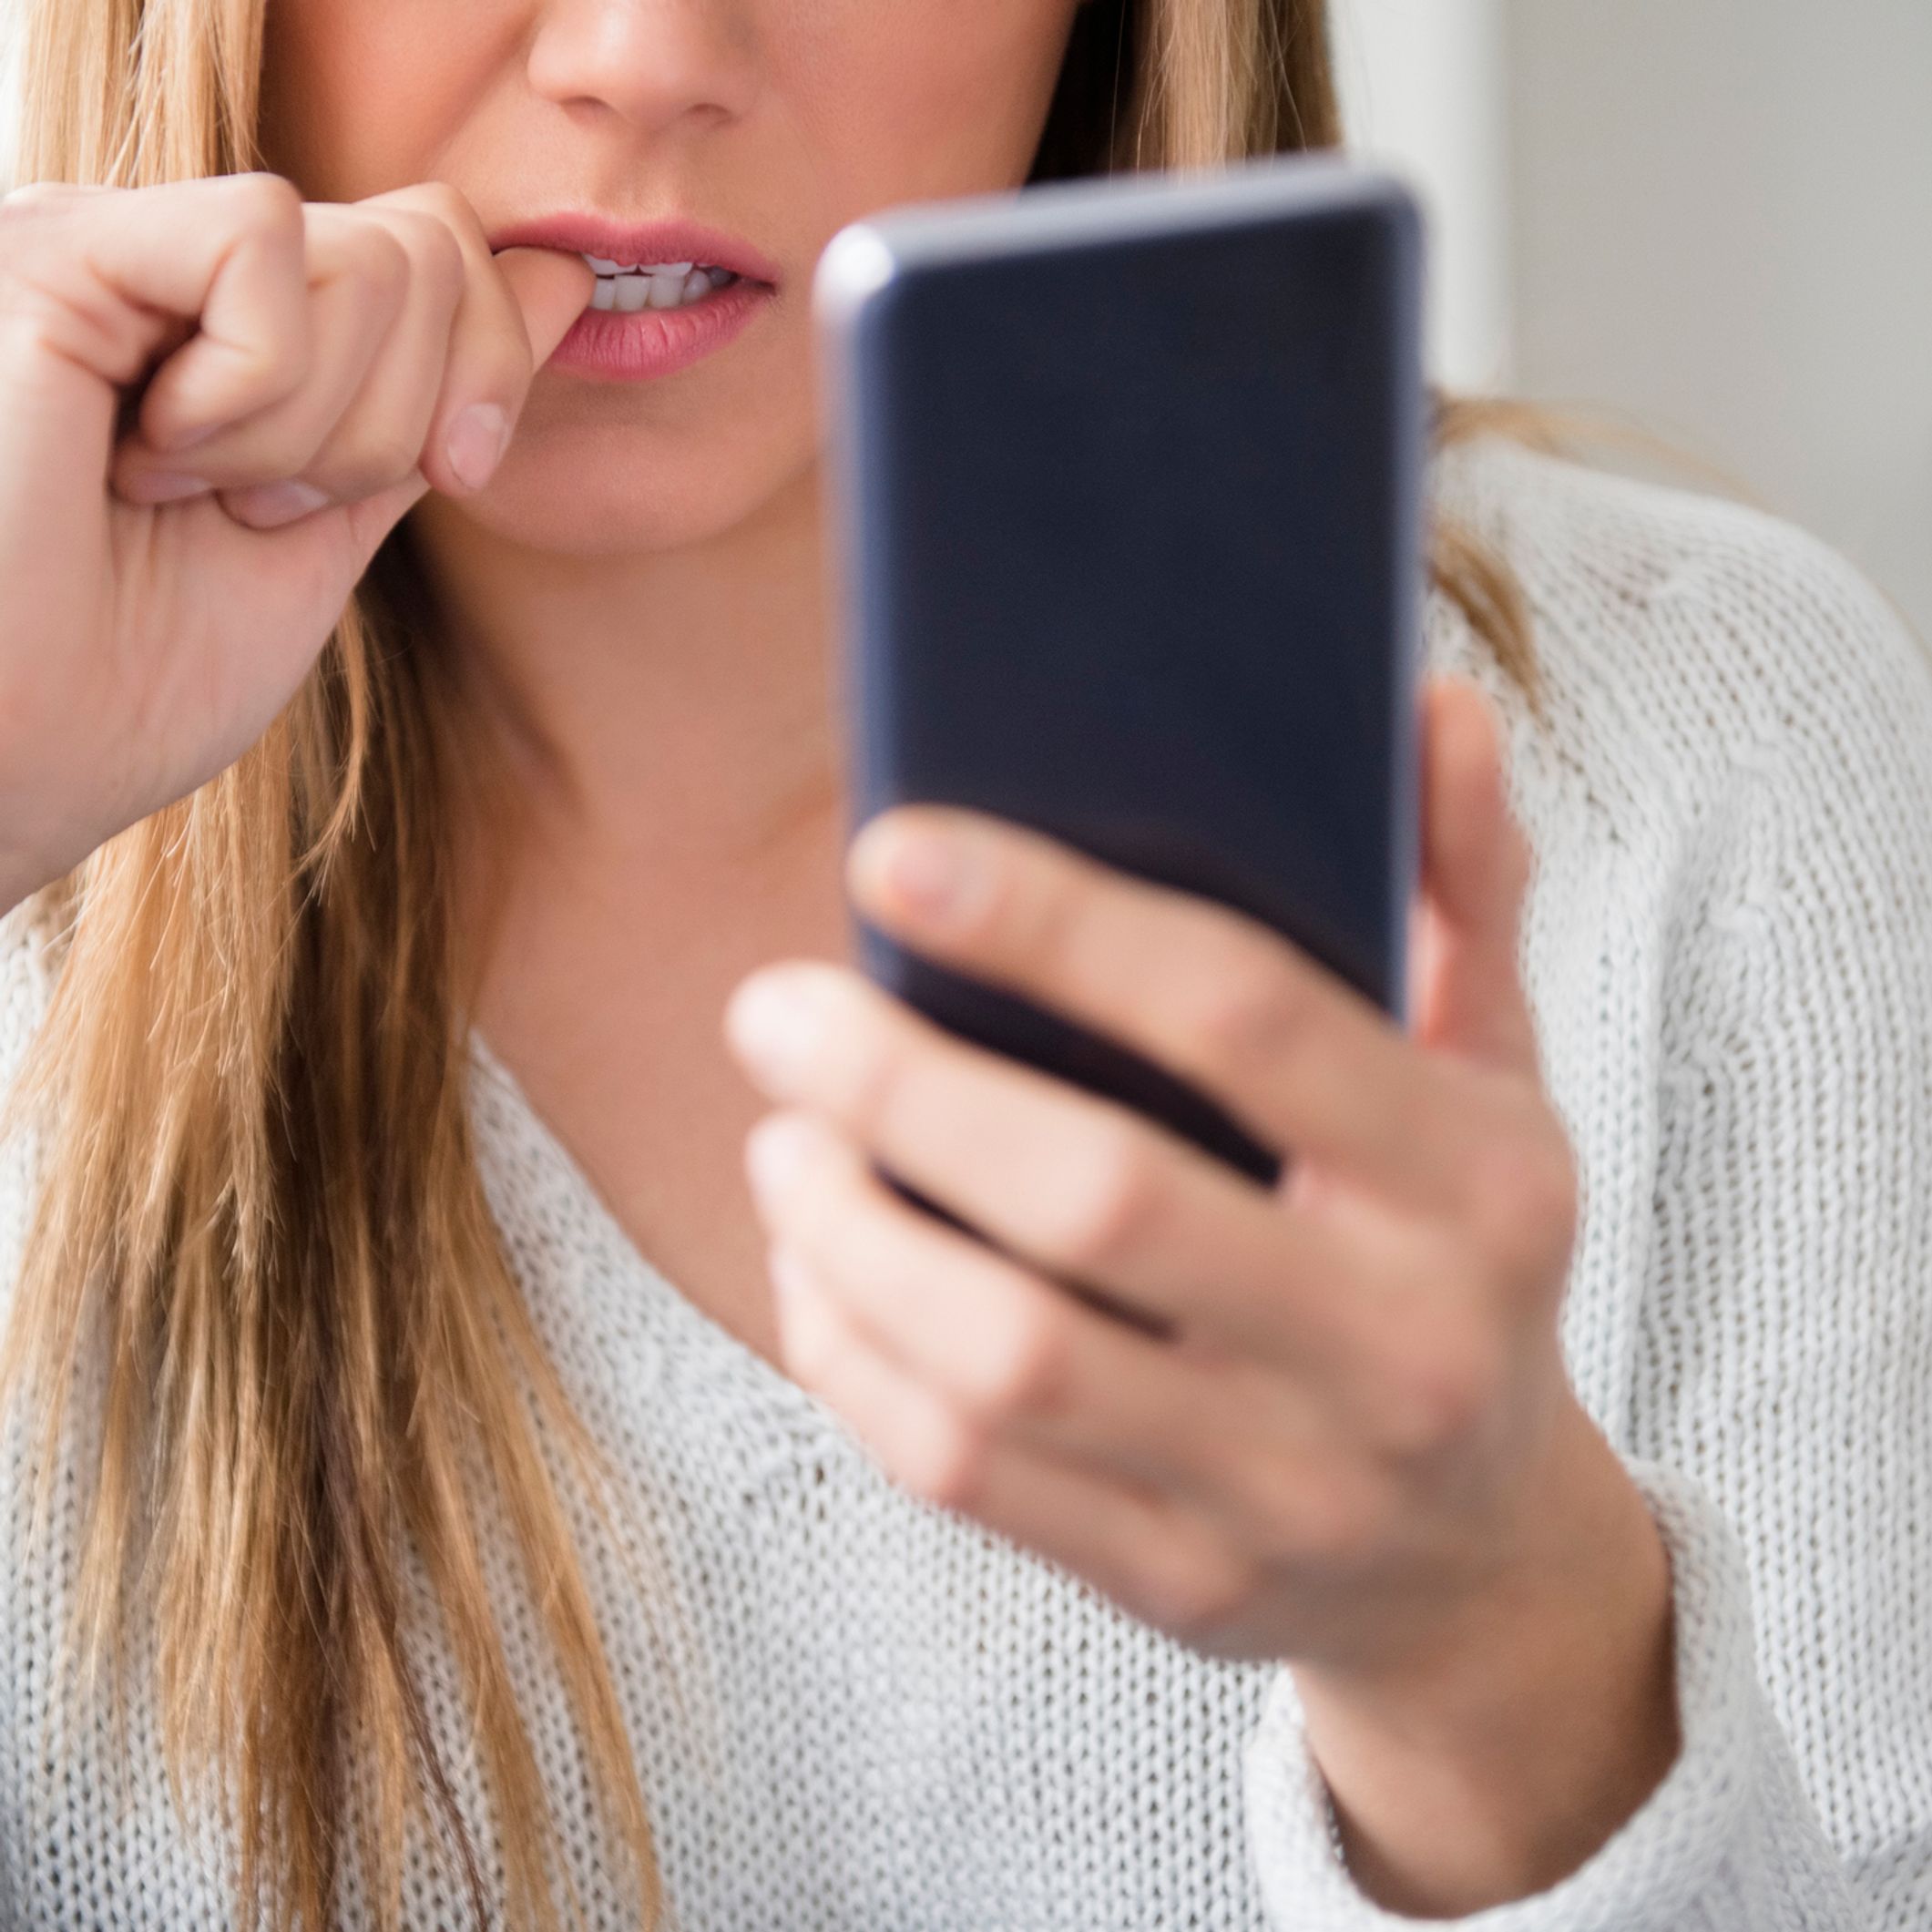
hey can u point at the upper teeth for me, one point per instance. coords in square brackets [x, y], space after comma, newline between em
[653, 285]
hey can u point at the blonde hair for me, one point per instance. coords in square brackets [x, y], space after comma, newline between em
[262, 1231]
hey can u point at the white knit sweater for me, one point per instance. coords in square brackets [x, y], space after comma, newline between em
[852, 1710]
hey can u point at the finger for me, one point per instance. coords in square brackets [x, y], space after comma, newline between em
[230, 256]
[423, 363]
[1160, 1561]
[551, 290]
[1082, 1188]
[517, 307]
[1475, 870]
[203, 279]
[513, 310]
[1024, 1360]
[443, 395]
[1301, 1058]
[358, 284]
[380, 436]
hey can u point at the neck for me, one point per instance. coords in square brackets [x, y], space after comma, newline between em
[670, 709]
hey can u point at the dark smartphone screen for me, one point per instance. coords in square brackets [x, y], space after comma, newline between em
[1126, 482]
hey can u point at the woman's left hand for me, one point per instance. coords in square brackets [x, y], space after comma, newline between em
[1345, 1439]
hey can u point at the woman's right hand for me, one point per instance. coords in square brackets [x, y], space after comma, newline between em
[216, 400]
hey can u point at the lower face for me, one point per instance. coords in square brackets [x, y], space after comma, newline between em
[776, 121]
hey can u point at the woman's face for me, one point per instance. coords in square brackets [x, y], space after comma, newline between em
[775, 121]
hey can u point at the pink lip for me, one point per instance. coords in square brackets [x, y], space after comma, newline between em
[611, 346]
[652, 342]
[636, 243]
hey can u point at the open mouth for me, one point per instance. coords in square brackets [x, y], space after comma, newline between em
[628, 288]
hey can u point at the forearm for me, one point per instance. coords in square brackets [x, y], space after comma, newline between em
[1492, 1762]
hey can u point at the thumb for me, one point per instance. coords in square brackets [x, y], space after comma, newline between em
[552, 289]
[1474, 873]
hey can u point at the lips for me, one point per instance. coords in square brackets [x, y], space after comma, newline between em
[637, 243]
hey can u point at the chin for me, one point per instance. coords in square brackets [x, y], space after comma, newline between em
[619, 491]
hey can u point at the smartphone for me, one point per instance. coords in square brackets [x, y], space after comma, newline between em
[1126, 518]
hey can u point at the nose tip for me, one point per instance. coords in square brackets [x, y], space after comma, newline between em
[653, 63]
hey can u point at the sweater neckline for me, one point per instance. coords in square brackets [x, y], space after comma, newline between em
[618, 1265]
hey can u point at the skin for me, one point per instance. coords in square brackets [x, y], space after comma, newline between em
[1354, 1447]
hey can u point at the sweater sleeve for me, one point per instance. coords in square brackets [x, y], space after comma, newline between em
[1780, 1419]
[1727, 1843]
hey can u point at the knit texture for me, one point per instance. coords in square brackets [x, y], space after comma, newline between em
[855, 1713]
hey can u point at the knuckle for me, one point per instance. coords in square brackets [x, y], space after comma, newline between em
[1105, 1211]
[268, 373]
[33, 201]
[844, 1206]
[382, 262]
[1028, 1373]
[1295, 1517]
[263, 202]
[24, 229]
[865, 1074]
[371, 462]
[839, 1220]
[1344, 1527]
[1026, 904]
[797, 1217]
[1193, 1594]
[34, 220]
[1027, 909]
[1440, 1385]
[1245, 1003]
[446, 205]
[949, 1466]
[437, 254]
[1526, 1193]
[811, 1350]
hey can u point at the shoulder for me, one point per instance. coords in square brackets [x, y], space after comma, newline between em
[1607, 561]
[1729, 790]
[1689, 643]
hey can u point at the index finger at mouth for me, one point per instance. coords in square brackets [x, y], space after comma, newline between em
[515, 309]
[551, 289]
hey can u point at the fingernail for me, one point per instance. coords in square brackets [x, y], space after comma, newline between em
[477, 440]
[776, 1020]
[932, 875]
[269, 505]
[775, 1153]
[160, 486]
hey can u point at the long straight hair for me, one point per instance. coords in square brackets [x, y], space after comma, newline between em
[262, 1241]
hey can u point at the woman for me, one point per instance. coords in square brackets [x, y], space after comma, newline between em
[428, 1555]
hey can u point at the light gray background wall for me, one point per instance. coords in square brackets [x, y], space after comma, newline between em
[1721, 223]
[1423, 90]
